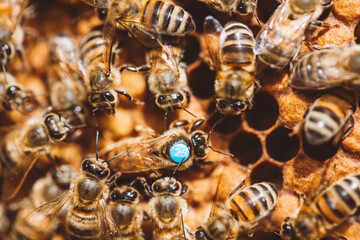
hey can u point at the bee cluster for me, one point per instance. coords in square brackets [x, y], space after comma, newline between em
[159, 119]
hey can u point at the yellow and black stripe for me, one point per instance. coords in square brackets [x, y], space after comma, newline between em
[338, 202]
[163, 17]
[92, 48]
[237, 47]
[254, 201]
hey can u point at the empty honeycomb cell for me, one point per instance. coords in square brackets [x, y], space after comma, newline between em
[265, 9]
[357, 33]
[226, 126]
[281, 146]
[246, 147]
[267, 172]
[264, 113]
[191, 49]
[319, 152]
[201, 81]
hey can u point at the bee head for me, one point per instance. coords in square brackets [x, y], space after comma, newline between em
[14, 98]
[299, 7]
[229, 107]
[167, 186]
[201, 145]
[201, 234]
[104, 101]
[95, 168]
[57, 128]
[170, 101]
[287, 230]
[63, 176]
[125, 194]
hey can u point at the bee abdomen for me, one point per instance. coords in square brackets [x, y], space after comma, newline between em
[83, 225]
[92, 48]
[238, 45]
[309, 72]
[167, 18]
[339, 201]
[325, 119]
[254, 201]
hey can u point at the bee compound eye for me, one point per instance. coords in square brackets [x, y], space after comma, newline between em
[108, 96]
[7, 49]
[115, 195]
[11, 91]
[179, 152]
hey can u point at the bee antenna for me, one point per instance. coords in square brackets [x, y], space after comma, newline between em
[118, 155]
[178, 165]
[255, 15]
[152, 169]
[221, 117]
[224, 153]
[3, 68]
[187, 111]
[96, 144]
[277, 233]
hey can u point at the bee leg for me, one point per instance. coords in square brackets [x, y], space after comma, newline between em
[184, 190]
[321, 24]
[129, 97]
[187, 96]
[146, 186]
[135, 69]
[238, 187]
[112, 180]
[146, 131]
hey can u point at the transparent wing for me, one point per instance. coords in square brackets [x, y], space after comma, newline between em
[97, 3]
[13, 177]
[51, 211]
[108, 37]
[212, 32]
[108, 226]
[17, 12]
[138, 151]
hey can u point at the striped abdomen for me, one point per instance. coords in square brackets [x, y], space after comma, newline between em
[315, 71]
[237, 47]
[326, 119]
[92, 47]
[163, 17]
[338, 202]
[253, 202]
[82, 223]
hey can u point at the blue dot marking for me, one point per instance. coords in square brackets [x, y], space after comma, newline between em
[178, 152]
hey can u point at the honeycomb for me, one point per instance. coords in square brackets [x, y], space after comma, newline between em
[266, 140]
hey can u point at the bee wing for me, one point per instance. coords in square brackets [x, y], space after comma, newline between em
[109, 228]
[51, 211]
[108, 37]
[97, 3]
[17, 12]
[13, 177]
[212, 31]
[138, 151]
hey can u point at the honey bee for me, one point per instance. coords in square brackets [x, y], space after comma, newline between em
[328, 210]
[161, 151]
[44, 190]
[21, 147]
[127, 213]
[99, 79]
[280, 39]
[243, 209]
[11, 33]
[167, 208]
[150, 16]
[66, 89]
[328, 118]
[13, 95]
[231, 52]
[326, 69]
[84, 205]
[167, 78]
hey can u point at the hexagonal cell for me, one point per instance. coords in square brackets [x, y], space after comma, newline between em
[246, 147]
[357, 33]
[281, 146]
[191, 49]
[320, 152]
[226, 126]
[265, 9]
[264, 113]
[267, 172]
[201, 81]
